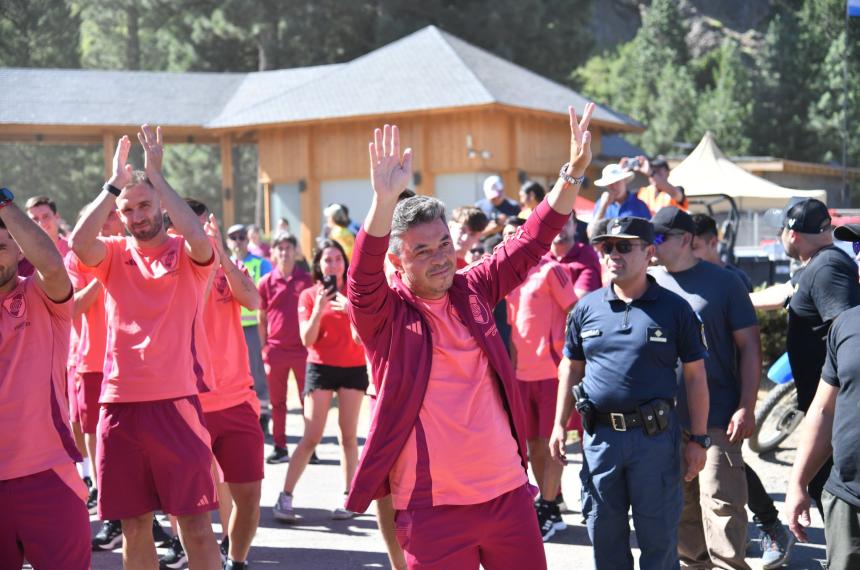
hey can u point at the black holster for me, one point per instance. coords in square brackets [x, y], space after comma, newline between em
[585, 407]
[655, 416]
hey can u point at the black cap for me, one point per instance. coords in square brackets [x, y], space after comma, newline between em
[809, 216]
[672, 218]
[848, 232]
[627, 227]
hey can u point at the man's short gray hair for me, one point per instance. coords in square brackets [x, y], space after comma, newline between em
[412, 212]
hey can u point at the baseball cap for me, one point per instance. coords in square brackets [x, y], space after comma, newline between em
[673, 218]
[237, 228]
[493, 187]
[627, 227]
[848, 232]
[613, 173]
[808, 216]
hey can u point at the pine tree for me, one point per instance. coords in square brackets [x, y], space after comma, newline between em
[726, 109]
[673, 113]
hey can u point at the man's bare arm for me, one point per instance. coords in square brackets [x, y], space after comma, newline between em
[39, 250]
[813, 450]
[772, 298]
[570, 373]
[184, 220]
[86, 296]
[563, 195]
[241, 285]
[748, 343]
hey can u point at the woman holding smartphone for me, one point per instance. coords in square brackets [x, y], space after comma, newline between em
[335, 364]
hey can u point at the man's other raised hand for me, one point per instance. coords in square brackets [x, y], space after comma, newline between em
[390, 173]
[580, 140]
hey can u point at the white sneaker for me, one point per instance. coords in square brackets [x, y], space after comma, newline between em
[283, 509]
[342, 514]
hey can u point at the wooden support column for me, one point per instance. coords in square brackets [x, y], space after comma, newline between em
[510, 175]
[428, 179]
[108, 150]
[267, 208]
[228, 208]
[310, 200]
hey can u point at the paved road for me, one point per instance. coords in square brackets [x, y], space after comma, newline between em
[318, 542]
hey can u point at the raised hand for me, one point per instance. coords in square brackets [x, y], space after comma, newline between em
[121, 168]
[580, 140]
[390, 172]
[153, 149]
[213, 231]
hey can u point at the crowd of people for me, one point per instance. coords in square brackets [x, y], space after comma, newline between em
[161, 350]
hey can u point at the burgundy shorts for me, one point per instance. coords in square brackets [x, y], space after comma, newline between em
[45, 521]
[154, 456]
[538, 398]
[88, 386]
[237, 442]
[499, 534]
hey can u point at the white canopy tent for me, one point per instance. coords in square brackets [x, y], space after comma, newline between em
[707, 170]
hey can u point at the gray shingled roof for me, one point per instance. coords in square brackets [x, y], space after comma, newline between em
[428, 69]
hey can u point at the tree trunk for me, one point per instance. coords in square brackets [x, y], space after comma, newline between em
[132, 47]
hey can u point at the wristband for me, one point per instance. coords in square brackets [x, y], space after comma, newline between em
[573, 180]
[108, 187]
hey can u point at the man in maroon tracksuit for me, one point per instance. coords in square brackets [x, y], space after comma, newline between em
[447, 439]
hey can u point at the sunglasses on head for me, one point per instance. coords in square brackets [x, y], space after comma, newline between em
[623, 247]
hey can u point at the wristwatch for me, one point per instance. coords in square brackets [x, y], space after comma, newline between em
[703, 440]
[6, 197]
[574, 180]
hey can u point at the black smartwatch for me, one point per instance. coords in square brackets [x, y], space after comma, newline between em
[703, 440]
[108, 187]
[6, 197]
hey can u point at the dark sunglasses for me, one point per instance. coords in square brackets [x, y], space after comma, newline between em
[238, 237]
[623, 247]
[856, 246]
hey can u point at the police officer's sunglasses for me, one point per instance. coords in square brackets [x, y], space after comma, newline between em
[623, 246]
[856, 247]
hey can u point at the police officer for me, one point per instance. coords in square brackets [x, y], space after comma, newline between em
[630, 335]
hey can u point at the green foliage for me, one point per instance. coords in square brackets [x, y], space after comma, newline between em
[673, 110]
[726, 108]
[773, 326]
[39, 33]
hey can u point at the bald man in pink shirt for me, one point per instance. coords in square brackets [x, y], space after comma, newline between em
[154, 452]
[447, 440]
[44, 500]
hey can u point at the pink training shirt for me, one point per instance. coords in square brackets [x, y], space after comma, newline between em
[154, 304]
[462, 417]
[537, 310]
[228, 353]
[34, 410]
[92, 341]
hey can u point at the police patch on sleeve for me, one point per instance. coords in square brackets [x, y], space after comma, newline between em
[656, 334]
[591, 333]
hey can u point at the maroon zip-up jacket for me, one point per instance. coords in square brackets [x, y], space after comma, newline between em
[398, 343]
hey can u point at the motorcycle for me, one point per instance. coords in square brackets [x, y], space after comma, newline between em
[777, 417]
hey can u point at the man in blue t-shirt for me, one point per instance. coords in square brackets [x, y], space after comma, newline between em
[616, 201]
[716, 500]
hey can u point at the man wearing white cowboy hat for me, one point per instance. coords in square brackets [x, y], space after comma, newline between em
[616, 201]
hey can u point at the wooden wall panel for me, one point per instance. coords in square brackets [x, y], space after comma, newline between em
[448, 136]
[283, 155]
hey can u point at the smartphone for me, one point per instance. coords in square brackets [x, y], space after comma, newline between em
[330, 284]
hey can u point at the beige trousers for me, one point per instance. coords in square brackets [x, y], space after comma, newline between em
[713, 528]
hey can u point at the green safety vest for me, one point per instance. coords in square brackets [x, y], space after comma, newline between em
[254, 266]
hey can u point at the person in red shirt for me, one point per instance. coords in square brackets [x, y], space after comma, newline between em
[335, 364]
[154, 449]
[44, 500]
[447, 440]
[43, 211]
[283, 351]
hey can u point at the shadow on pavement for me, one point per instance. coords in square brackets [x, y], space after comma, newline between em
[312, 558]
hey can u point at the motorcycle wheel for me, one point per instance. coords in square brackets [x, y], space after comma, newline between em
[775, 419]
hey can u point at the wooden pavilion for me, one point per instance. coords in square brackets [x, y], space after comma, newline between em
[466, 113]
